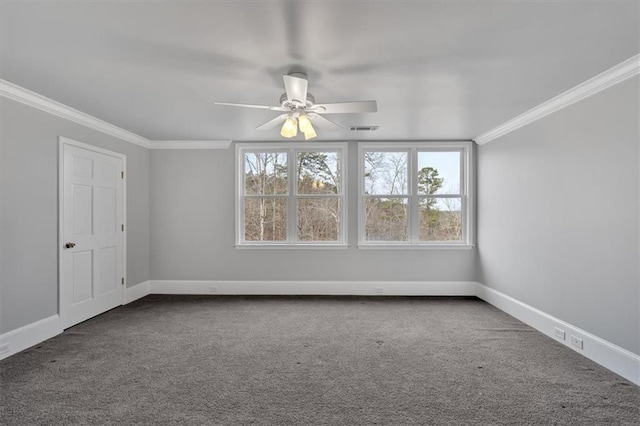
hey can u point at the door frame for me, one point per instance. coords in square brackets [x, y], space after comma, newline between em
[62, 141]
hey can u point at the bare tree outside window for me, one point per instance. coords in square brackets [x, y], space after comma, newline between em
[411, 193]
[265, 216]
[319, 186]
[315, 196]
[386, 209]
[388, 197]
[440, 217]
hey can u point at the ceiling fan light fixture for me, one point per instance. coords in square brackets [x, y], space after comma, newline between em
[304, 123]
[289, 128]
[299, 108]
[309, 134]
[306, 127]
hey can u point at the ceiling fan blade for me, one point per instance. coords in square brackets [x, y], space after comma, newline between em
[322, 123]
[272, 108]
[296, 89]
[273, 123]
[345, 107]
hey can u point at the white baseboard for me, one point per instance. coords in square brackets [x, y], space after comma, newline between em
[607, 354]
[22, 338]
[136, 292]
[331, 288]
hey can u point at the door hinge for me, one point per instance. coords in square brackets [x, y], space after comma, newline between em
[122, 280]
[122, 175]
[122, 226]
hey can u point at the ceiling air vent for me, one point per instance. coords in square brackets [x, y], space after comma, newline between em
[364, 128]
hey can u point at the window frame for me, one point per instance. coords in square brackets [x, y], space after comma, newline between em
[292, 196]
[466, 195]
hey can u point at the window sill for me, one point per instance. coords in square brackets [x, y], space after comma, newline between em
[290, 246]
[371, 246]
[368, 246]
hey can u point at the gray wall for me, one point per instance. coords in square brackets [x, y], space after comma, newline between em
[558, 219]
[29, 204]
[558, 214]
[192, 233]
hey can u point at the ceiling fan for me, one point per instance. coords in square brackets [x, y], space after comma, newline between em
[301, 110]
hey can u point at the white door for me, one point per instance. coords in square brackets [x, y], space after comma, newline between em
[92, 232]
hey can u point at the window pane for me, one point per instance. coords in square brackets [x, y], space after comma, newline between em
[265, 219]
[265, 173]
[440, 219]
[386, 219]
[385, 173]
[438, 173]
[318, 173]
[318, 219]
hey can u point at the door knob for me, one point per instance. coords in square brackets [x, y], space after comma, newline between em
[70, 245]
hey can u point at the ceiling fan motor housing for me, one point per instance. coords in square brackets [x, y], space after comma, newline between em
[293, 105]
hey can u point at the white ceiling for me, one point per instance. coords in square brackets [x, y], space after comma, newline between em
[439, 70]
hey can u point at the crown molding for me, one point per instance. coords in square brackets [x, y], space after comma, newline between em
[35, 100]
[602, 81]
[213, 144]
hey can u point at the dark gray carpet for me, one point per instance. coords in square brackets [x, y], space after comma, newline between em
[309, 361]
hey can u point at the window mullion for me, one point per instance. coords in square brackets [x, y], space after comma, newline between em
[292, 200]
[343, 197]
[240, 200]
[327, 195]
[266, 196]
[414, 211]
[441, 196]
[464, 192]
[361, 196]
[464, 219]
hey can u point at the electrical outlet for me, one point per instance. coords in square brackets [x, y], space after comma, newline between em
[5, 349]
[213, 290]
[560, 334]
[379, 290]
[577, 342]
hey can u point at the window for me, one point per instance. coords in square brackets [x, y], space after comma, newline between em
[416, 194]
[291, 194]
